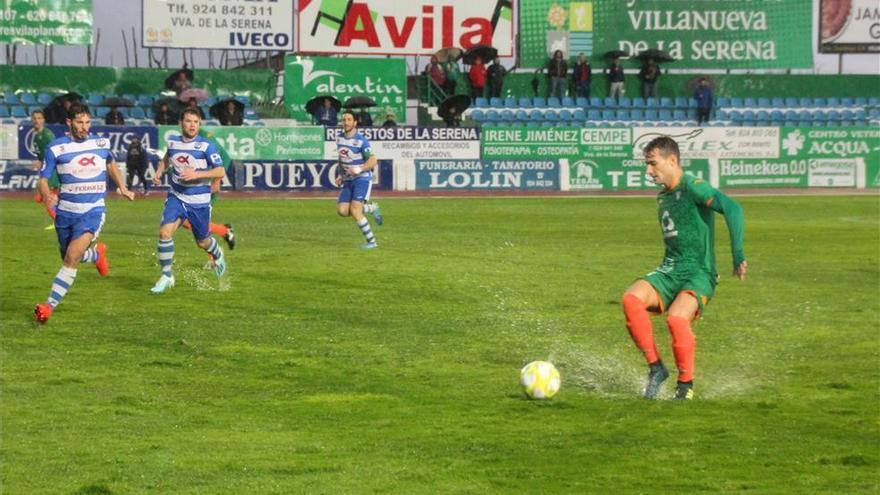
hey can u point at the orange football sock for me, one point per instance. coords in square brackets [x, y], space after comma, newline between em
[219, 229]
[684, 346]
[638, 322]
[50, 211]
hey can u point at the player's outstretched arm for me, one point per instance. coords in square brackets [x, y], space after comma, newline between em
[160, 171]
[733, 216]
[116, 175]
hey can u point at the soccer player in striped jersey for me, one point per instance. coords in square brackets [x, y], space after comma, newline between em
[82, 162]
[355, 177]
[685, 281]
[192, 163]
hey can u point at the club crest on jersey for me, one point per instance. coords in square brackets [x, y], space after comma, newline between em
[88, 160]
[182, 159]
[102, 143]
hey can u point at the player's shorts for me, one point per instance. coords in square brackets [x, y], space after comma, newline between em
[669, 283]
[356, 190]
[69, 227]
[199, 216]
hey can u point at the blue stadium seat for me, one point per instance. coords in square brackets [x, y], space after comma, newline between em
[525, 102]
[521, 115]
[735, 116]
[652, 102]
[10, 98]
[664, 115]
[506, 115]
[138, 113]
[834, 115]
[100, 112]
[749, 116]
[496, 102]
[805, 116]
[679, 115]
[874, 101]
[553, 102]
[44, 98]
[777, 102]
[845, 115]
[539, 102]
[568, 102]
[805, 102]
[820, 116]
[551, 115]
[791, 102]
[722, 101]
[533, 123]
[831, 123]
[846, 101]
[790, 115]
[637, 114]
[764, 102]
[639, 102]
[763, 117]
[548, 123]
[737, 102]
[493, 116]
[595, 101]
[821, 102]
[722, 115]
[666, 102]
[790, 123]
[582, 102]
[860, 101]
[594, 114]
[609, 102]
[510, 102]
[478, 116]
[609, 115]
[832, 101]
[579, 115]
[4, 111]
[651, 115]
[860, 117]
[145, 100]
[681, 102]
[481, 102]
[776, 117]
[18, 111]
[27, 98]
[244, 100]
[623, 115]
[625, 102]
[94, 99]
[565, 115]
[750, 102]
[536, 116]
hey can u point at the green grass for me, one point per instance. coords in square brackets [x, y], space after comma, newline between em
[327, 369]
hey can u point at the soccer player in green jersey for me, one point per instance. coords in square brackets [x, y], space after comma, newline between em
[685, 281]
[42, 137]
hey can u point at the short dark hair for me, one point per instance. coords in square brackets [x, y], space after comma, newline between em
[350, 112]
[192, 111]
[77, 109]
[665, 145]
[38, 111]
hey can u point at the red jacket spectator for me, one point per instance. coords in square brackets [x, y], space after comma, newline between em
[477, 74]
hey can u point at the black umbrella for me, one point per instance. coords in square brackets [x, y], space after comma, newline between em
[317, 102]
[450, 53]
[453, 105]
[485, 52]
[55, 112]
[217, 108]
[656, 55]
[174, 104]
[359, 102]
[169, 81]
[117, 101]
[615, 54]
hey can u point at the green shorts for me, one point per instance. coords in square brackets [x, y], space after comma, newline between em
[670, 282]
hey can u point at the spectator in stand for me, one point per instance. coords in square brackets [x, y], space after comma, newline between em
[648, 75]
[453, 74]
[136, 163]
[114, 117]
[390, 120]
[477, 76]
[583, 76]
[703, 95]
[495, 73]
[435, 71]
[182, 83]
[230, 114]
[453, 118]
[616, 79]
[164, 116]
[364, 119]
[326, 115]
[557, 70]
[192, 103]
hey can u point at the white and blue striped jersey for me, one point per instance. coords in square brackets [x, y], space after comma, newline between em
[82, 172]
[354, 152]
[198, 154]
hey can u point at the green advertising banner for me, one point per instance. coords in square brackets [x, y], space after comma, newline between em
[262, 143]
[697, 33]
[382, 79]
[604, 174]
[811, 157]
[46, 22]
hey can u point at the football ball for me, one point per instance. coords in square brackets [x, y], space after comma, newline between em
[540, 380]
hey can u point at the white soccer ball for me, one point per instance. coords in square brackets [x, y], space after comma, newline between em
[540, 380]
